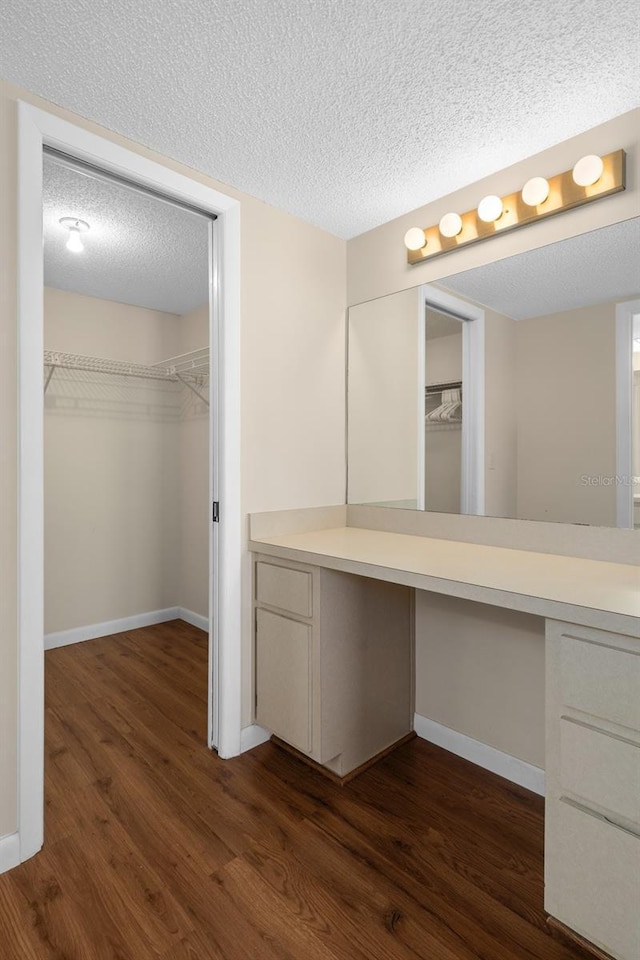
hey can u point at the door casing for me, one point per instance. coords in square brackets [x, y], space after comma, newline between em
[37, 128]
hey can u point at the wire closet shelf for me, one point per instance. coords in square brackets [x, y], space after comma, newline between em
[191, 369]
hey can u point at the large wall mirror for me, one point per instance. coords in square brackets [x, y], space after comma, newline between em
[509, 390]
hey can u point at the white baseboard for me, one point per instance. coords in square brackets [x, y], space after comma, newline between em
[252, 736]
[517, 771]
[95, 630]
[195, 619]
[9, 852]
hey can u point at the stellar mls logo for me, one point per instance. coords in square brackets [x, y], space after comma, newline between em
[601, 480]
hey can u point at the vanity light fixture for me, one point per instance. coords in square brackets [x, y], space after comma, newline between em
[490, 209]
[535, 191]
[75, 228]
[588, 170]
[590, 179]
[414, 239]
[450, 225]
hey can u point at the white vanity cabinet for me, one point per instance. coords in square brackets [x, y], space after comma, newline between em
[592, 817]
[334, 661]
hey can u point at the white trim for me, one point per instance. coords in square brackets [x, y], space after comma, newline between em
[63, 638]
[35, 129]
[9, 852]
[195, 619]
[226, 603]
[213, 624]
[252, 736]
[30, 489]
[624, 396]
[422, 383]
[511, 768]
[473, 365]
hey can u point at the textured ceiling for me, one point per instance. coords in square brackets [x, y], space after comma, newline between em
[138, 250]
[346, 114]
[594, 267]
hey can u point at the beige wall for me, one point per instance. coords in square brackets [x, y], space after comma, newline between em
[111, 480]
[377, 267]
[481, 672]
[383, 399]
[292, 368]
[500, 416]
[566, 406]
[443, 358]
[93, 327]
[126, 468]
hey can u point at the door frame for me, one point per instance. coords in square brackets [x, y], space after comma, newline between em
[472, 481]
[37, 128]
[625, 312]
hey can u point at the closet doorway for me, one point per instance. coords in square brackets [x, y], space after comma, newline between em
[443, 375]
[154, 383]
[126, 422]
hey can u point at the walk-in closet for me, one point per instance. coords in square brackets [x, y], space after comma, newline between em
[126, 378]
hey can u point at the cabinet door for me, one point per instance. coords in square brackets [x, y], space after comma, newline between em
[283, 678]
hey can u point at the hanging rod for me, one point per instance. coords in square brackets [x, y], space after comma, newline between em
[439, 387]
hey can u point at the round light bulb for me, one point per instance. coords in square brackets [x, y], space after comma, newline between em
[588, 170]
[535, 191]
[450, 225]
[74, 243]
[490, 208]
[414, 239]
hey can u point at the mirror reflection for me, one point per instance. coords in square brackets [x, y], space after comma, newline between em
[510, 390]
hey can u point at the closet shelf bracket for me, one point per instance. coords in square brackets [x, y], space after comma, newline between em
[192, 388]
[52, 368]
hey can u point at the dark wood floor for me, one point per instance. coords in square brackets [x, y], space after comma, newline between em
[155, 848]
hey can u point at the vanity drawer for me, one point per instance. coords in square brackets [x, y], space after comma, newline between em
[283, 678]
[284, 587]
[601, 680]
[592, 874]
[600, 769]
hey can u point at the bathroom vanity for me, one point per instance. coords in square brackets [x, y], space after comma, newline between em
[333, 679]
[493, 444]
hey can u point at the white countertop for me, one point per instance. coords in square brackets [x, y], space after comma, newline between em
[593, 592]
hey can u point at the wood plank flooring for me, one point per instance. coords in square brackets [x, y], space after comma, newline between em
[155, 848]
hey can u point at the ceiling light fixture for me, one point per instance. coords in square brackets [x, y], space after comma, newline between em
[535, 191]
[588, 170]
[450, 225]
[414, 239]
[75, 228]
[592, 178]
